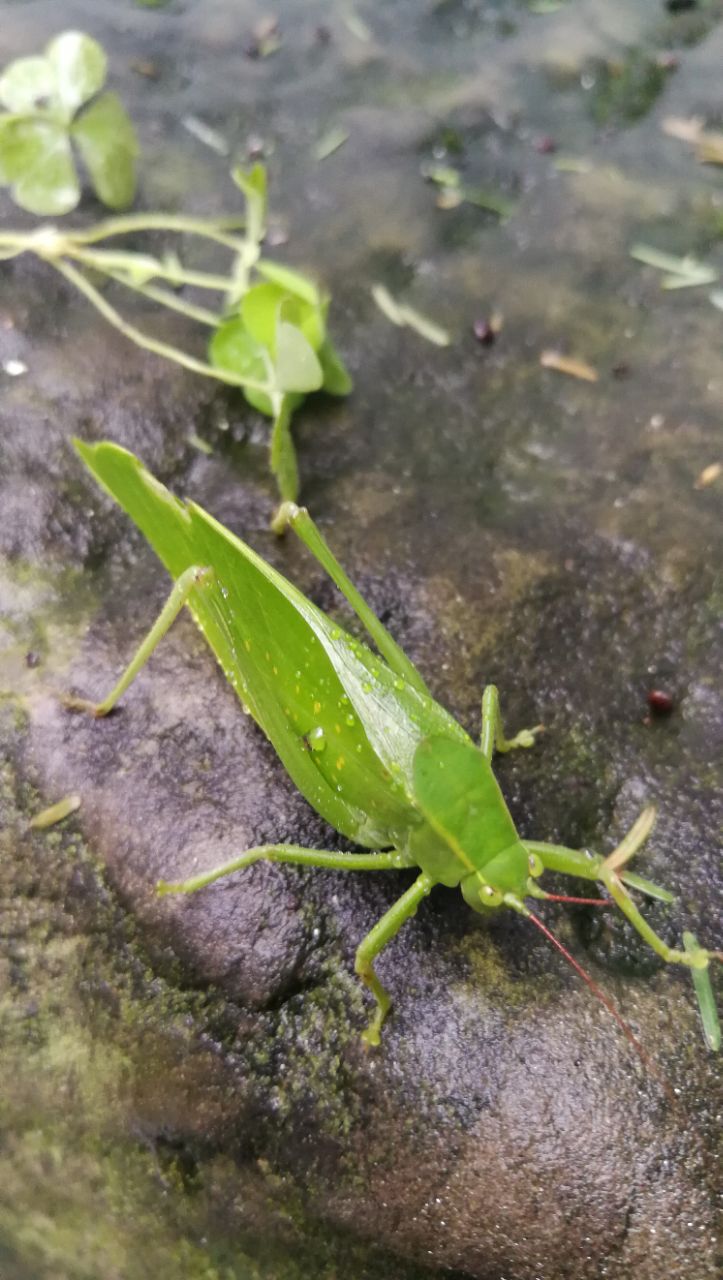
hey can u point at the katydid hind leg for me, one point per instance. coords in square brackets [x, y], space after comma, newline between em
[306, 530]
[493, 732]
[189, 580]
[377, 938]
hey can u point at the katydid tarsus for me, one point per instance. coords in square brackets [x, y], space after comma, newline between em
[361, 736]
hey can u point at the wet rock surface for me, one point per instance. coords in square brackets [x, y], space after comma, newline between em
[218, 1114]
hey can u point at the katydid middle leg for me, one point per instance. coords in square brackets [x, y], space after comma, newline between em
[493, 732]
[377, 938]
[191, 578]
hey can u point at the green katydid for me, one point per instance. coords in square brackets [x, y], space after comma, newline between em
[360, 734]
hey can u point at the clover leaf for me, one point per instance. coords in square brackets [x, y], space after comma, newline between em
[269, 338]
[296, 368]
[51, 108]
[276, 334]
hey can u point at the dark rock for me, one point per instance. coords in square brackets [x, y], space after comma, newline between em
[183, 1081]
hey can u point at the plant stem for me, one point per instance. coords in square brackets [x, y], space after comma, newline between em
[168, 299]
[141, 339]
[211, 230]
[100, 260]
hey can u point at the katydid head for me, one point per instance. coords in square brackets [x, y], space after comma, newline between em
[458, 795]
[479, 895]
[476, 840]
[502, 881]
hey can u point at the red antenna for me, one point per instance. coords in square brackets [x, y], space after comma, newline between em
[583, 902]
[612, 1009]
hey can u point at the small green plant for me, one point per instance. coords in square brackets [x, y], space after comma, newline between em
[275, 335]
[53, 109]
[268, 335]
[364, 740]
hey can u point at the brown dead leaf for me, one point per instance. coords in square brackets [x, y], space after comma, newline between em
[708, 144]
[708, 475]
[569, 365]
[685, 129]
[710, 148]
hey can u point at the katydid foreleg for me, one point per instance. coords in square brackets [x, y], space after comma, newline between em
[377, 938]
[493, 733]
[573, 862]
[191, 578]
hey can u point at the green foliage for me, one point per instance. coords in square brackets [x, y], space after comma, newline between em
[625, 91]
[51, 109]
[269, 336]
[403, 315]
[275, 333]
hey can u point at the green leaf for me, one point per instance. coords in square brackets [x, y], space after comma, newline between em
[264, 304]
[425, 328]
[291, 281]
[337, 380]
[260, 312]
[233, 348]
[108, 144]
[21, 144]
[387, 304]
[683, 273]
[80, 67]
[55, 813]
[260, 401]
[401, 314]
[297, 367]
[25, 82]
[489, 200]
[442, 175]
[701, 275]
[46, 183]
[331, 142]
[311, 320]
[253, 181]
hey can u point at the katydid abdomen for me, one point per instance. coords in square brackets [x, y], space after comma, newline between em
[345, 726]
